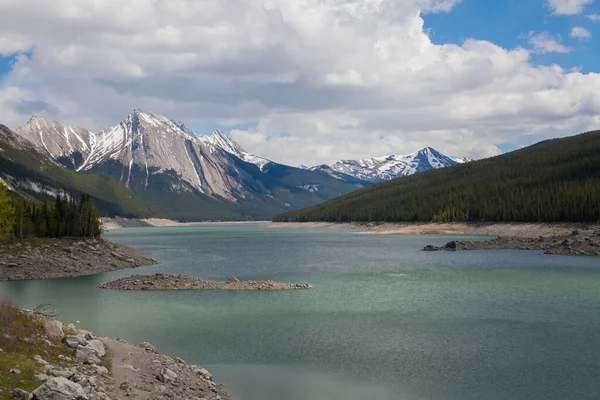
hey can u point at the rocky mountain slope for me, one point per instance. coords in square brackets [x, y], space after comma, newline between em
[391, 167]
[30, 172]
[181, 174]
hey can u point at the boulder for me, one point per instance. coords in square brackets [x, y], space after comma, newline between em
[40, 360]
[61, 374]
[40, 377]
[53, 328]
[450, 246]
[202, 372]
[60, 389]
[19, 394]
[98, 347]
[87, 355]
[149, 348]
[74, 341]
[430, 248]
[166, 376]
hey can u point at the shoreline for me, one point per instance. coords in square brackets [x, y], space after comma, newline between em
[515, 229]
[45, 258]
[58, 361]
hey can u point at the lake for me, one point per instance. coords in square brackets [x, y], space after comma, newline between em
[385, 320]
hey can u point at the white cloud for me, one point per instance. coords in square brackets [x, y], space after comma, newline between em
[568, 7]
[544, 42]
[323, 79]
[580, 33]
[593, 17]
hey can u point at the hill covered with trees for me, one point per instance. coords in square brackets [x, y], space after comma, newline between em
[555, 180]
[66, 216]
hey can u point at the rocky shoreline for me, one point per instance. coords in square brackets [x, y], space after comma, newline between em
[85, 367]
[41, 258]
[179, 282]
[580, 243]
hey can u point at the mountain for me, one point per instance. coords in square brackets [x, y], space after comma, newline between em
[555, 180]
[391, 167]
[187, 176]
[32, 173]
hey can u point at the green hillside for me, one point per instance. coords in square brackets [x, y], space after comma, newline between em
[555, 180]
[22, 162]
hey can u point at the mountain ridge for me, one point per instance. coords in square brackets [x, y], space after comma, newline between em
[379, 169]
[555, 180]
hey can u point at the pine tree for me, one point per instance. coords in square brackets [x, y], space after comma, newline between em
[7, 212]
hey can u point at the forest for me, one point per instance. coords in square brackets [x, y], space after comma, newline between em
[553, 181]
[68, 216]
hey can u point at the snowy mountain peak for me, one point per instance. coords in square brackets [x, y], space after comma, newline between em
[390, 167]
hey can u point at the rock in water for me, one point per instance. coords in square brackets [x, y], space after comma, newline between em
[450, 246]
[60, 389]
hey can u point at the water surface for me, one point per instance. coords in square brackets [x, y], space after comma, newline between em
[385, 320]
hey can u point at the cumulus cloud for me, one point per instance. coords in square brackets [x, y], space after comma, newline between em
[580, 33]
[321, 80]
[568, 7]
[593, 17]
[544, 42]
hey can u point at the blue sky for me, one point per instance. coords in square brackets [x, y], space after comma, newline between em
[509, 23]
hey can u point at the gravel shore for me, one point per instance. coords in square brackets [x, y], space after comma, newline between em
[581, 243]
[178, 282]
[62, 258]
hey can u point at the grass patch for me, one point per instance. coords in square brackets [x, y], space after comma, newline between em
[22, 337]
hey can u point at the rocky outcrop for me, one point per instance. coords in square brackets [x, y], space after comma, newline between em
[59, 258]
[178, 282]
[581, 243]
[140, 372]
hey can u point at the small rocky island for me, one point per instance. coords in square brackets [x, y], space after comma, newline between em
[179, 282]
[581, 243]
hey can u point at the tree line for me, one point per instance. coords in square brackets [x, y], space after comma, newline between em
[553, 181]
[66, 216]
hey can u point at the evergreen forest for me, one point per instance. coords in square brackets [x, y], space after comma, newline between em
[553, 181]
[66, 216]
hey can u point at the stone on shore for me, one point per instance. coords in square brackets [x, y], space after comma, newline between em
[60, 389]
[87, 355]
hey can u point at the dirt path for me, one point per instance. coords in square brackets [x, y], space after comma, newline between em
[144, 373]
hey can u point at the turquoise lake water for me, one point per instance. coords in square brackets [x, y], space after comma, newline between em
[385, 320]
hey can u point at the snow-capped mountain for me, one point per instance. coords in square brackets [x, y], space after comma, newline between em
[148, 142]
[385, 168]
[171, 168]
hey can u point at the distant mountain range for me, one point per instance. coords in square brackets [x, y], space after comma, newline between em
[171, 171]
[391, 167]
[553, 181]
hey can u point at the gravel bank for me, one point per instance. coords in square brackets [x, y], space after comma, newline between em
[581, 243]
[62, 258]
[178, 282]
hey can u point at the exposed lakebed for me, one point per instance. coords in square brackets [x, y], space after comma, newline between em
[384, 321]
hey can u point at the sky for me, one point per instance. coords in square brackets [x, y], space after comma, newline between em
[311, 81]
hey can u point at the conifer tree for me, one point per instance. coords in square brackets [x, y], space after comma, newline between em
[7, 212]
